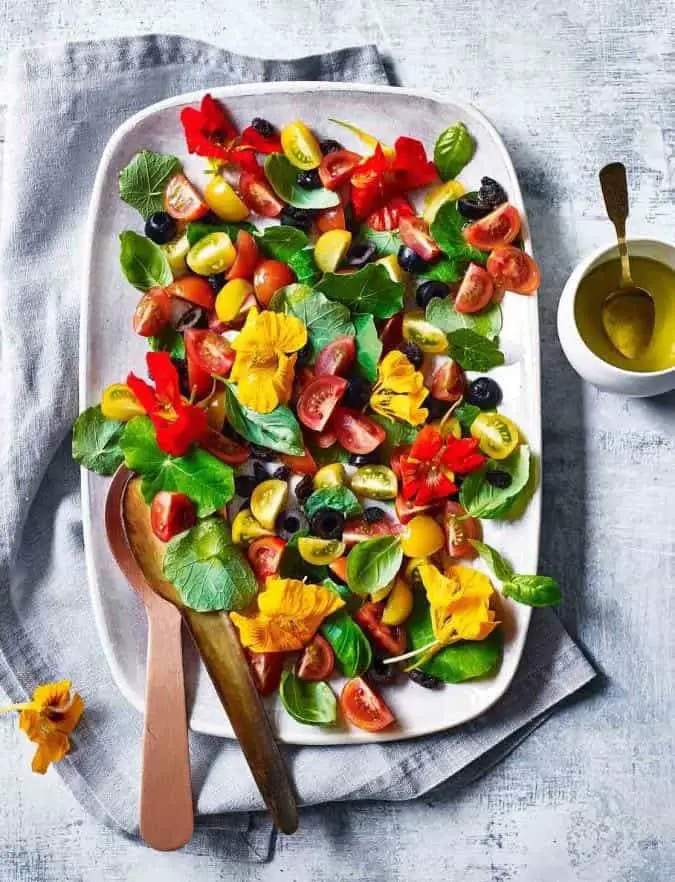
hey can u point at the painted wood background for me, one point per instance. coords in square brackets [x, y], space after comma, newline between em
[589, 796]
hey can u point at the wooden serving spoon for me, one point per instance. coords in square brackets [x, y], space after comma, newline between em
[218, 644]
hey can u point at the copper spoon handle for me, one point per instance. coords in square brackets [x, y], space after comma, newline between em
[222, 654]
[615, 192]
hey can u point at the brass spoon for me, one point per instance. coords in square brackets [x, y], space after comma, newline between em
[628, 313]
[217, 642]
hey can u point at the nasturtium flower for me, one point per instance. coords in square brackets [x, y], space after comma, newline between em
[210, 132]
[288, 616]
[428, 470]
[399, 391]
[264, 366]
[48, 719]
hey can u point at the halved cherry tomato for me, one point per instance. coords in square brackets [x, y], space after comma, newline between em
[336, 168]
[200, 382]
[391, 334]
[358, 529]
[264, 555]
[448, 382]
[459, 529]
[513, 270]
[355, 432]
[389, 216]
[363, 707]
[476, 289]
[300, 465]
[331, 219]
[171, 513]
[224, 448]
[389, 638]
[247, 257]
[195, 289]
[327, 438]
[210, 351]
[407, 510]
[152, 313]
[339, 568]
[497, 228]
[317, 661]
[259, 196]
[303, 377]
[182, 200]
[266, 668]
[300, 145]
[318, 401]
[414, 232]
[336, 357]
[269, 276]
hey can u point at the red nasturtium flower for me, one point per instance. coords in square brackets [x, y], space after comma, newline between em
[429, 469]
[178, 424]
[210, 132]
[252, 138]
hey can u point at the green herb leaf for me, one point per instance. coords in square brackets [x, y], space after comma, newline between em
[209, 572]
[143, 181]
[474, 352]
[170, 341]
[324, 320]
[441, 312]
[386, 241]
[368, 347]
[533, 590]
[466, 414]
[208, 482]
[283, 176]
[482, 500]
[350, 645]
[326, 455]
[284, 299]
[304, 266]
[369, 291]
[341, 590]
[501, 568]
[340, 498]
[454, 149]
[278, 430]
[446, 269]
[373, 564]
[308, 702]
[144, 264]
[293, 566]
[446, 228]
[399, 434]
[198, 230]
[96, 442]
[281, 243]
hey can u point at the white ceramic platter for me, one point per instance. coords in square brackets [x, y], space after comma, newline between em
[109, 349]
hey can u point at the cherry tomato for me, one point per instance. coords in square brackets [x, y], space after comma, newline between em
[414, 232]
[389, 216]
[448, 382]
[210, 351]
[459, 529]
[363, 707]
[213, 254]
[358, 529]
[339, 568]
[513, 270]
[331, 219]
[389, 638]
[303, 377]
[300, 145]
[318, 401]
[337, 357]
[317, 661]
[407, 510]
[264, 555]
[224, 448]
[182, 201]
[497, 228]
[118, 402]
[152, 313]
[171, 513]
[259, 196]
[247, 257]
[194, 289]
[355, 432]
[269, 276]
[476, 289]
[266, 668]
[224, 201]
[200, 382]
[391, 334]
[300, 465]
[327, 438]
[336, 168]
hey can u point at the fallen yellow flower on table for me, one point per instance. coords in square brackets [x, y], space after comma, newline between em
[48, 719]
[288, 616]
[399, 391]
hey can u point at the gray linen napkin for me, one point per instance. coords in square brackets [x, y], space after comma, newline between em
[65, 104]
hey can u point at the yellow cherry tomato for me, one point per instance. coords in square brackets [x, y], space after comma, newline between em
[267, 500]
[399, 604]
[497, 436]
[450, 191]
[300, 145]
[118, 402]
[223, 200]
[231, 298]
[214, 405]
[418, 330]
[423, 537]
[331, 248]
[176, 251]
[394, 268]
[213, 254]
[245, 528]
[412, 575]
[332, 475]
[320, 551]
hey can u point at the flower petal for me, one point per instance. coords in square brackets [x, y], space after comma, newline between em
[257, 390]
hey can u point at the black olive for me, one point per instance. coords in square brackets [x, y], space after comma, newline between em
[471, 207]
[425, 680]
[484, 392]
[194, 317]
[283, 473]
[437, 409]
[492, 193]
[498, 479]
[302, 218]
[216, 281]
[289, 523]
[413, 353]
[181, 367]
[329, 145]
[160, 227]
[360, 254]
[427, 291]
[327, 523]
[351, 223]
[244, 485]
[304, 354]
[359, 459]
[263, 453]
[381, 674]
[357, 394]
[260, 472]
[263, 127]
[373, 514]
[309, 180]
[304, 489]
[410, 261]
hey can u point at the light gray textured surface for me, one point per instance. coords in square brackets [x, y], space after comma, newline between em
[589, 796]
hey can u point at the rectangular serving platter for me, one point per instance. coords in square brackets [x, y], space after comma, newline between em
[109, 349]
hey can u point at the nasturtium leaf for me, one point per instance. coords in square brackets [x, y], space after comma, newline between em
[368, 291]
[399, 434]
[474, 352]
[282, 242]
[445, 269]
[96, 442]
[323, 319]
[441, 312]
[278, 430]
[373, 564]
[368, 347]
[289, 296]
[386, 241]
[308, 702]
[143, 181]
[304, 266]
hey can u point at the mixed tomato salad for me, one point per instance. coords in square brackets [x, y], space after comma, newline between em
[319, 438]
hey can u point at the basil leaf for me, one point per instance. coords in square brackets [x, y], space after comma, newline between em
[293, 566]
[170, 341]
[399, 434]
[454, 149]
[340, 499]
[441, 312]
[304, 266]
[482, 500]
[323, 319]
[327, 455]
[350, 645]
[278, 430]
[373, 564]
[466, 414]
[143, 181]
[368, 347]
[307, 702]
[281, 243]
[96, 440]
[386, 241]
[446, 269]
[533, 590]
[369, 291]
[501, 568]
[283, 176]
[341, 590]
[474, 352]
[198, 230]
[446, 228]
[206, 480]
[209, 572]
[144, 264]
[284, 299]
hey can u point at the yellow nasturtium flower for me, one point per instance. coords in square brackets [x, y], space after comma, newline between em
[399, 391]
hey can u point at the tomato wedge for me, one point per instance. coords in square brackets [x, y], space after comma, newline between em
[391, 334]
[339, 568]
[171, 513]
[327, 438]
[363, 707]
[317, 661]
[246, 259]
[319, 399]
[300, 465]
[407, 510]
[414, 232]
[459, 530]
[337, 357]
[337, 167]
[355, 432]
[391, 639]
[358, 529]
[331, 219]
[259, 196]
[224, 448]
[266, 668]
[448, 382]
[210, 351]
[195, 289]
[389, 216]
[182, 200]
[269, 276]
[497, 228]
[513, 270]
[476, 289]
[264, 555]
[152, 313]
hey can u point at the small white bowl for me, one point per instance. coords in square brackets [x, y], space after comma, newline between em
[585, 362]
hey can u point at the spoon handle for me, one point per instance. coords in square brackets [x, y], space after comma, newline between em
[615, 192]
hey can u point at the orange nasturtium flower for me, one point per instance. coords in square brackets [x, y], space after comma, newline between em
[48, 719]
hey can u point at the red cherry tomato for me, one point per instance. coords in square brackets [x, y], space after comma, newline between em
[195, 289]
[152, 313]
[407, 510]
[337, 357]
[210, 351]
[318, 401]
[513, 270]
[448, 382]
[339, 568]
[224, 448]
[355, 432]
[389, 216]
[247, 257]
[264, 555]
[327, 438]
[266, 668]
[303, 377]
[476, 289]
[200, 382]
[391, 334]
[363, 707]
[171, 513]
[497, 228]
[259, 196]
[331, 219]
[414, 232]
[358, 529]
[182, 200]
[317, 661]
[269, 276]
[459, 529]
[389, 638]
[336, 168]
[300, 465]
